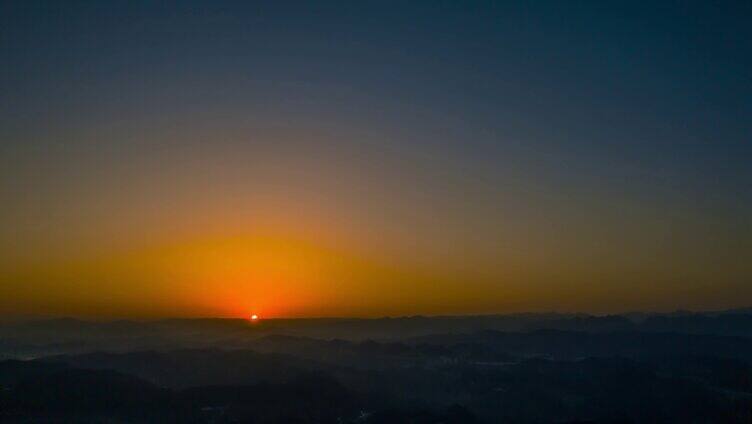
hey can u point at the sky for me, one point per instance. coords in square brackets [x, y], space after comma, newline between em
[307, 159]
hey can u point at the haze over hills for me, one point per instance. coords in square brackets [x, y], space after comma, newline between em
[530, 368]
[62, 335]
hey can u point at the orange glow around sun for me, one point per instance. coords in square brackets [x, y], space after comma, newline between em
[266, 274]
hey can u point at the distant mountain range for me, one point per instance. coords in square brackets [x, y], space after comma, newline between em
[523, 368]
[56, 336]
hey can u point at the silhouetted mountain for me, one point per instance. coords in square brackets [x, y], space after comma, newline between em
[186, 368]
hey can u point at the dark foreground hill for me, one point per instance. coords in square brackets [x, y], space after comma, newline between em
[41, 392]
[428, 381]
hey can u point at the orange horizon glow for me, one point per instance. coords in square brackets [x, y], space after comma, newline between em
[328, 251]
[280, 276]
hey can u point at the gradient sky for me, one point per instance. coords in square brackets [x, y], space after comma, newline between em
[368, 159]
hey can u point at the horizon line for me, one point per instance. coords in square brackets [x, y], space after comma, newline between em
[366, 318]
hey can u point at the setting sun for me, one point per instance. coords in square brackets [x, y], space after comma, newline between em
[466, 211]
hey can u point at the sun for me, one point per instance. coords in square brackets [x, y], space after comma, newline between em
[254, 317]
